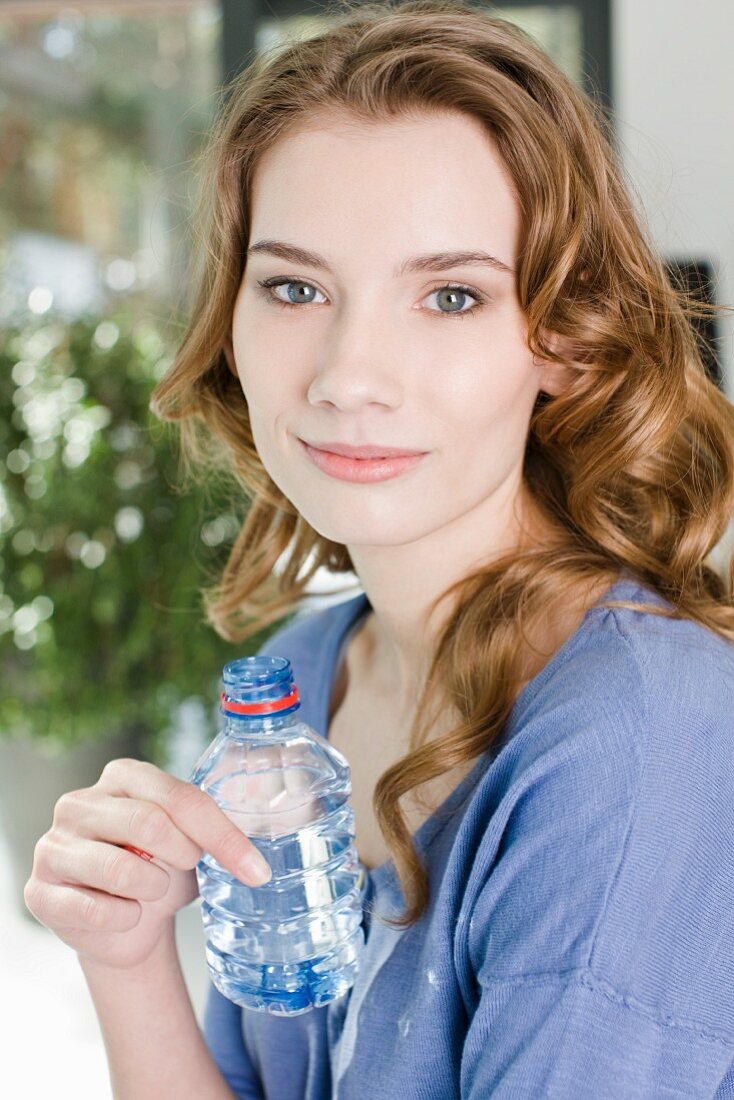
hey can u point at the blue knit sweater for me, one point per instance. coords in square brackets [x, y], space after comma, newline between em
[579, 943]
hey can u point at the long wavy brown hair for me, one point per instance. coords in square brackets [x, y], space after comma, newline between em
[632, 464]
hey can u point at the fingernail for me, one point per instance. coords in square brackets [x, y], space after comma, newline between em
[256, 868]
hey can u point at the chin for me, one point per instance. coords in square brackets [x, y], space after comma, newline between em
[357, 515]
[393, 526]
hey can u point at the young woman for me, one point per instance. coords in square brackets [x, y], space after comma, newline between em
[420, 241]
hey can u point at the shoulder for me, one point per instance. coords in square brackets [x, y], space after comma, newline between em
[685, 668]
[665, 936]
[675, 678]
[631, 674]
[606, 819]
[627, 736]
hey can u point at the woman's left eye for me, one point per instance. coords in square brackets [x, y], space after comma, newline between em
[454, 292]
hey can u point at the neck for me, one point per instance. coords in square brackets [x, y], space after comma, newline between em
[397, 640]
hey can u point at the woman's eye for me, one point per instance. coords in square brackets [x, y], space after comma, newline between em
[452, 295]
[298, 298]
[455, 296]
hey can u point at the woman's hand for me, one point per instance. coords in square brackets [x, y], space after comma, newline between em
[106, 903]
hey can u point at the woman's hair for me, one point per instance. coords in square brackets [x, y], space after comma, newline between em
[632, 464]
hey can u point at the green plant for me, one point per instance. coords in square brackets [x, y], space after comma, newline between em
[101, 554]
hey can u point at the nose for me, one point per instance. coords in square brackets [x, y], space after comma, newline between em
[358, 365]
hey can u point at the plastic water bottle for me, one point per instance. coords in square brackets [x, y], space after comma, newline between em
[293, 943]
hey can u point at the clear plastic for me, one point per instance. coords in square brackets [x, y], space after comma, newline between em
[293, 943]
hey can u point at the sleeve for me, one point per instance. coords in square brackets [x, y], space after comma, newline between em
[222, 1028]
[568, 1037]
[597, 941]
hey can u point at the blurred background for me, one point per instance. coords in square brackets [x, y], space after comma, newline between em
[104, 107]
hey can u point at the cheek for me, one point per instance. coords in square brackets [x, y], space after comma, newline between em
[270, 452]
[492, 386]
[263, 383]
[263, 389]
[270, 360]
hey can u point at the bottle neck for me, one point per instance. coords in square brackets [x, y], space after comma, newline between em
[266, 724]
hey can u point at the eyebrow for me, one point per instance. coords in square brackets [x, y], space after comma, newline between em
[431, 261]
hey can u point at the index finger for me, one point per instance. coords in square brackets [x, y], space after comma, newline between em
[194, 812]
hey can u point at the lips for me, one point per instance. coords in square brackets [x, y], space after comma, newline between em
[366, 451]
[364, 470]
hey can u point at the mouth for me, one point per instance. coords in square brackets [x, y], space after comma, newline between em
[365, 470]
[367, 450]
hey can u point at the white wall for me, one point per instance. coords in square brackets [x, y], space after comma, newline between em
[674, 102]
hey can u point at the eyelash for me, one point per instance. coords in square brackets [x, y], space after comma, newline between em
[283, 280]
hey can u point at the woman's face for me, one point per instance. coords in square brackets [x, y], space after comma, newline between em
[362, 352]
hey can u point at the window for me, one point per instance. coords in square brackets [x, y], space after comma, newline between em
[103, 108]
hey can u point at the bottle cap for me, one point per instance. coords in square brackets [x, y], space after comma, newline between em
[259, 686]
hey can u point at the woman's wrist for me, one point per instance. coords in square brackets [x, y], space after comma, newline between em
[162, 954]
[153, 1041]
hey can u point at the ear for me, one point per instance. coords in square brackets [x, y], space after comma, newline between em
[554, 377]
[228, 350]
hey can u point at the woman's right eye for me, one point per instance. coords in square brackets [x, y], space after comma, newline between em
[268, 285]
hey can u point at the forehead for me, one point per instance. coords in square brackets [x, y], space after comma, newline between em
[434, 180]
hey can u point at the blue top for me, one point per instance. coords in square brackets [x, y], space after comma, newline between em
[580, 936]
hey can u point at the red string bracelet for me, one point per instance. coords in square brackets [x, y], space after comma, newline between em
[139, 852]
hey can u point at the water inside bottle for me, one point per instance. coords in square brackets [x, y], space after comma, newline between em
[293, 943]
[278, 800]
